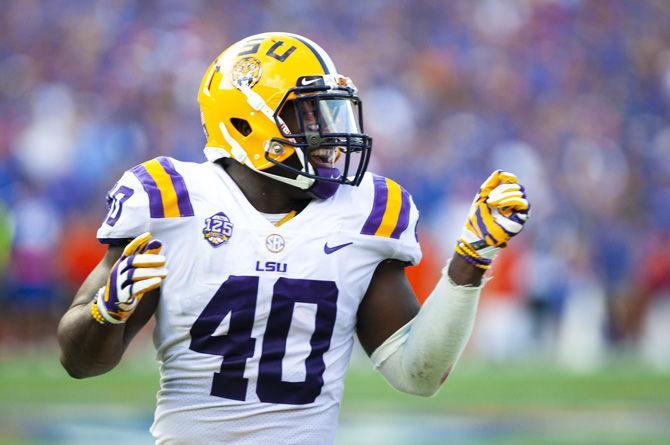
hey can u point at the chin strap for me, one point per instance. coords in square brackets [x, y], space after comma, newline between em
[325, 189]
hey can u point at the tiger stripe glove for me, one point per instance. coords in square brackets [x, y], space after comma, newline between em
[140, 269]
[498, 212]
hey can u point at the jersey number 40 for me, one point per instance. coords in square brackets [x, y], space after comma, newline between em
[237, 296]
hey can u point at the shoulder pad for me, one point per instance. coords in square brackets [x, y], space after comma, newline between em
[390, 213]
[165, 187]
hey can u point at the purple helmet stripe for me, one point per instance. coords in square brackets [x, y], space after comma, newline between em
[378, 207]
[183, 200]
[149, 185]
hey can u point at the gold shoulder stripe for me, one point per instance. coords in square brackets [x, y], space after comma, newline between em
[164, 184]
[392, 212]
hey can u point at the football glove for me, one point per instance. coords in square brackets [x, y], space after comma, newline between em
[140, 269]
[498, 213]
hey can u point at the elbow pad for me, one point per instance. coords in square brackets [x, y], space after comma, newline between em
[419, 356]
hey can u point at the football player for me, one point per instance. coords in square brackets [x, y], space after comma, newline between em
[273, 253]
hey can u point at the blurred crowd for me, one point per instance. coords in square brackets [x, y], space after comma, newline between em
[571, 95]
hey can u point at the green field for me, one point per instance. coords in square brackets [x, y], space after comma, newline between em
[480, 404]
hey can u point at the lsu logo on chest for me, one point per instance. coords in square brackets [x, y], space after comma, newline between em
[271, 266]
[274, 243]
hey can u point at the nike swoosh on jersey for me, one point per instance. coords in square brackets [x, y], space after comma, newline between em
[328, 250]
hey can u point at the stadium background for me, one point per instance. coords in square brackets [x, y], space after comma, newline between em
[572, 343]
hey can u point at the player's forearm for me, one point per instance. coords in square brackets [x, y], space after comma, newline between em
[87, 347]
[94, 332]
[464, 274]
[441, 331]
[418, 357]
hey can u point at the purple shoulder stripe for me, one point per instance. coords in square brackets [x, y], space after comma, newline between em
[378, 207]
[403, 217]
[183, 199]
[149, 185]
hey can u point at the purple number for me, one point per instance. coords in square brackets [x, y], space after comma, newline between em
[288, 292]
[115, 200]
[236, 296]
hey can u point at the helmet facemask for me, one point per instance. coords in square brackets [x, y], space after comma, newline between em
[323, 123]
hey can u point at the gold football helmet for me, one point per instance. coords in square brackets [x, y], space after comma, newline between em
[275, 103]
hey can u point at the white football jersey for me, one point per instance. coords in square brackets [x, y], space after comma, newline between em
[256, 323]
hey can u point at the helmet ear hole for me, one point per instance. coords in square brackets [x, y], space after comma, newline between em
[241, 125]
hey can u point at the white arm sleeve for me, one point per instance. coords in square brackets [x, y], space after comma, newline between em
[418, 357]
